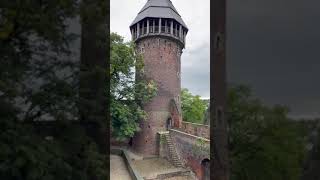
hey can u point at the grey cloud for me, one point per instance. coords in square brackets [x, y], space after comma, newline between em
[196, 70]
[273, 46]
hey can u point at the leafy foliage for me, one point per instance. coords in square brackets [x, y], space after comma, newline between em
[264, 143]
[311, 164]
[26, 155]
[127, 95]
[193, 108]
[39, 81]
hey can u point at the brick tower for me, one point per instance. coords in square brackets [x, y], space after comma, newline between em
[159, 34]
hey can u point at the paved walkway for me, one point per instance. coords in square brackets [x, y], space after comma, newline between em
[118, 168]
[150, 168]
[180, 178]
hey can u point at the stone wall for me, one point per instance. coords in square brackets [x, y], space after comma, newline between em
[163, 150]
[196, 129]
[193, 150]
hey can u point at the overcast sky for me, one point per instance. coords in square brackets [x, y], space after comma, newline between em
[195, 60]
[273, 46]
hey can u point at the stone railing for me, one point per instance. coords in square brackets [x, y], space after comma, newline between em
[196, 129]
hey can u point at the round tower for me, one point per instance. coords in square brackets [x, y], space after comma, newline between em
[159, 34]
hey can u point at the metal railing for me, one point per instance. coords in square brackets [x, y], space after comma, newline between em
[164, 30]
[144, 30]
[156, 29]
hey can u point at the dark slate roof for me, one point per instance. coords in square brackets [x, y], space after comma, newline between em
[159, 9]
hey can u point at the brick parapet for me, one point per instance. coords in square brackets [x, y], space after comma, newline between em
[196, 129]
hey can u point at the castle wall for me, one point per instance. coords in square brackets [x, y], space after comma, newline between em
[161, 57]
[192, 150]
[195, 129]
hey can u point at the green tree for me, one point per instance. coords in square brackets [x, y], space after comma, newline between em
[193, 108]
[39, 81]
[264, 143]
[311, 165]
[127, 95]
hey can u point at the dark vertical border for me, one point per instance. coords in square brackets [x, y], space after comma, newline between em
[94, 74]
[108, 87]
[218, 132]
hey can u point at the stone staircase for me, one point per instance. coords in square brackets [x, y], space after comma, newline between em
[174, 158]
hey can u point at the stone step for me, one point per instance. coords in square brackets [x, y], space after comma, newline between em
[172, 151]
[175, 158]
[176, 162]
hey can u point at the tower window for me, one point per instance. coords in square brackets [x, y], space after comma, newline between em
[141, 50]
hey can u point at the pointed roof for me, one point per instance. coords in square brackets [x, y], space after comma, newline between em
[159, 9]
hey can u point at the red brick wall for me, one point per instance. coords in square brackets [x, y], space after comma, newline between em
[190, 152]
[162, 64]
[196, 129]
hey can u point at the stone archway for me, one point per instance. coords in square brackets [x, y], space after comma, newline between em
[175, 115]
[205, 165]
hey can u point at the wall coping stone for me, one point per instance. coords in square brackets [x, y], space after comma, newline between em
[197, 124]
[163, 132]
[190, 135]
